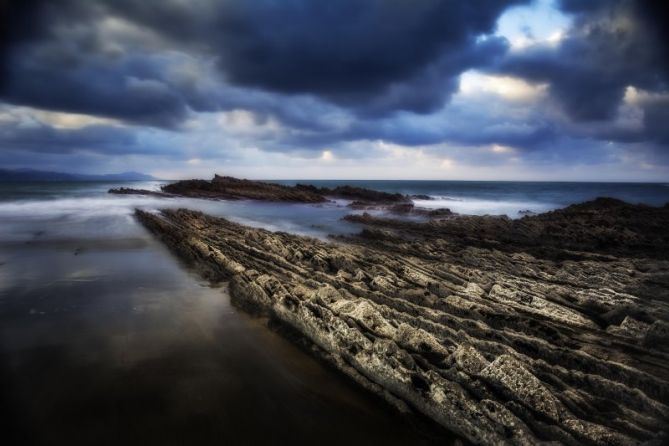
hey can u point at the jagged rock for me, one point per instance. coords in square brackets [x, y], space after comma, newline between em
[469, 360]
[222, 187]
[358, 194]
[509, 374]
[604, 226]
[657, 335]
[630, 327]
[440, 213]
[473, 321]
[131, 191]
[229, 188]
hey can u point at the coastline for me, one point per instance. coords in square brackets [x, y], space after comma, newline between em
[475, 336]
[545, 278]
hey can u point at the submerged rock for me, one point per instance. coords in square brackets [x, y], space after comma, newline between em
[502, 333]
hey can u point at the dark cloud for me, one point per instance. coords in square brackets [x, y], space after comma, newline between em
[656, 120]
[340, 49]
[432, 86]
[41, 138]
[371, 56]
[613, 44]
[56, 56]
[97, 90]
[331, 73]
[651, 15]
[475, 120]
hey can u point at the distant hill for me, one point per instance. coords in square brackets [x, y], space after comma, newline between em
[40, 175]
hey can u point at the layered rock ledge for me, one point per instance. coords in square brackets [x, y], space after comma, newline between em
[229, 188]
[604, 226]
[543, 330]
[131, 191]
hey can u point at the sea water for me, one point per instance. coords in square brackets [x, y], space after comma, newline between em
[507, 197]
[80, 210]
[105, 338]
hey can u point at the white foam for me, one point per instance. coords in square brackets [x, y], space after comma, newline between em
[475, 206]
[111, 216]
[84, 217]
[84, 207]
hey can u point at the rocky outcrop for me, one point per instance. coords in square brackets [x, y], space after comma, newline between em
[229, 188]
[602, 226]
[360, 196]
[500, 345]
[131, 191]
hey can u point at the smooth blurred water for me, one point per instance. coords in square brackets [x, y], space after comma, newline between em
[85, 210]
[106, 339]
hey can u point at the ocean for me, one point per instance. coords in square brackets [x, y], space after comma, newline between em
[104, 334]
[86, 210]
[508, 197]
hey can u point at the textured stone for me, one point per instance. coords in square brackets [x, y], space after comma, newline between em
[521, 385]
[473, 321]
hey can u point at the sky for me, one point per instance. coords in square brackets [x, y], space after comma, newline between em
[556, 90]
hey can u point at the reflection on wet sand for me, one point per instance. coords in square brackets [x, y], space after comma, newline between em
[120, 345]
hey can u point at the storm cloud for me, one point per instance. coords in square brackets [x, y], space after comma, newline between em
[358, 54]
[212, 78]
[613, 44]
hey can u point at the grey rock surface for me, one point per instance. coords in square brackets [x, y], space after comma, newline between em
[493, 335]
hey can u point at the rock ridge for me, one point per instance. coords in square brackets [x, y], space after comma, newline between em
[483, 332]
[225, 187]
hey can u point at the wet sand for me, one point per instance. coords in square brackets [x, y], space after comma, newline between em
[114, 342]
